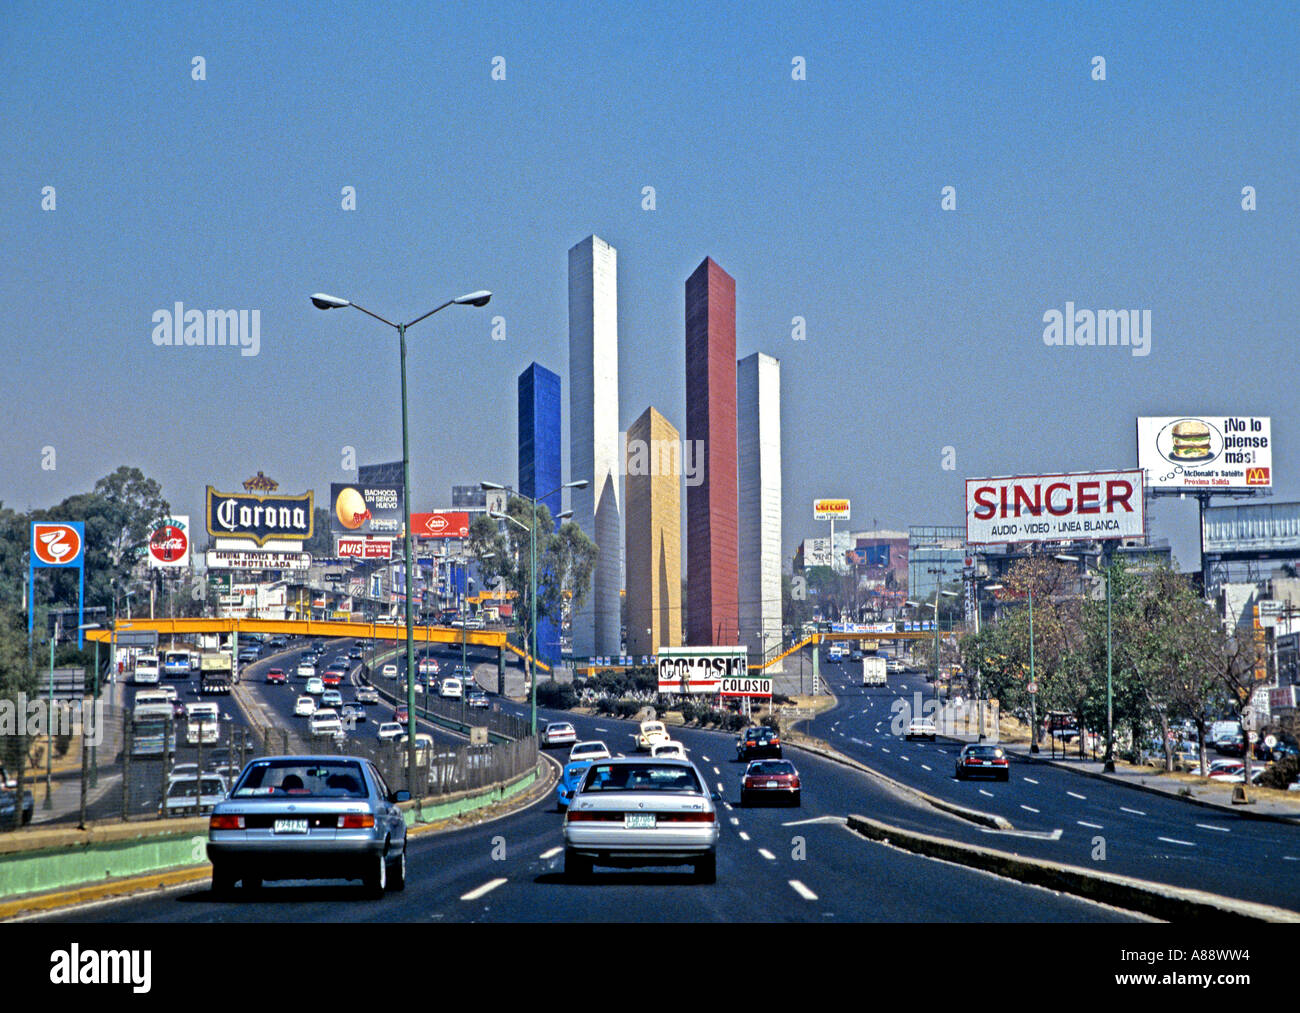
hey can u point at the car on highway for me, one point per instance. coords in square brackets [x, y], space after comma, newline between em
[669, 748]
[355, 654]
[429, 666]
[758, 741]
[568, 782]
[306, 670]
[389, 671]
[367, 694]
[894, 667]
[309, 817]
[558, 733]
[450, 688]
[249, 653]
[389, 730]
[594, 750]
[921, 728]
[332, 677]
[276, 677]
[630, 812]
[304, 706]
[353, 711]
[9, 801]
[401, 714]
[980, 759]
[179, 798]
[648, 734]
[325, 722]
[477, 698]
[772, 781]
[277, 642]
[331, 698]
[314, 686]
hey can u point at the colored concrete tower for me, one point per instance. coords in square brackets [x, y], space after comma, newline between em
[594, 447]
[712, 612]
[653, 521]
[539, 464]
[758, 443]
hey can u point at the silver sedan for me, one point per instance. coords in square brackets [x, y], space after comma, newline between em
[309, 817]
[632, 812]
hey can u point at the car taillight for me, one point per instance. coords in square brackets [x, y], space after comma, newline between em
[775, 741]
[225, 822]
[356, 821]
[1000, 763]
[685, 817]
[590, 815]
[973, 759]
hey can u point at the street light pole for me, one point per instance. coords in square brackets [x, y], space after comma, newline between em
[1033, 686]
[322, 301]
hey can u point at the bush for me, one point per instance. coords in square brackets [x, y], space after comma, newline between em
[626, 708]
[1281, 773]
[556, 695]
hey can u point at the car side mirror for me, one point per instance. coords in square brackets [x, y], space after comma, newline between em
[717, 796]
[401, 796]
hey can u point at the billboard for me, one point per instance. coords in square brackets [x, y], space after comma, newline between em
[1206, 451]
[260, 518]
[830, 510]
[225, 559]
[700, 669]
[364, 509]
[363, 547]
[440, 524]
[169, 543]
[1077, 506]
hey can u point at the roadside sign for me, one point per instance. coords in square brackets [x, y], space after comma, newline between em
[1270, 741]
[1033, 687]
[137, 638]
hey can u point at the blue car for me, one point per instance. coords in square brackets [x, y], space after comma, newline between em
[569, 782]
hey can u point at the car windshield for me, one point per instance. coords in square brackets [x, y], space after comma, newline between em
[306, 778]
[185, 787]
[984, 752]
[770, 768]
[642, 777]
[588, 747]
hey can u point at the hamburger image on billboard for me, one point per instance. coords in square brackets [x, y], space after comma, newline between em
[1206, 451]
[1189, 440]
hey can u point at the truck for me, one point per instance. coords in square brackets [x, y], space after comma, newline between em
[151, 716]
[215, 673]
[202, 722]
[873, 671]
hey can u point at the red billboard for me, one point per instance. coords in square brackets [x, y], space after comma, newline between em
[363, 547]
[440, 524]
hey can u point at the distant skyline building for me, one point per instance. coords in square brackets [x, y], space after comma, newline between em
[539, 465]
[594, 449]
[712, 572]
[653, 519]
[758, 445]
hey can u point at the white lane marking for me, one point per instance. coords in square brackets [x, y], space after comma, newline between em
[943, 750]
[926, 766]
[1290, 858]
[865, 709]
[550, 854]
[885, 748]
[1028, 808]
[1090, 826]
[721, 789]
[602, 729]
[988, 793]
[1135, 812]
[817, 819]
[802, 890]
[727, 804]
[716, 770]
[767, 854]
[743, 836]
[478, 892]
[857, 740]
[906, 758]
[1210, 826]
[735, 822]
[1031, 780]
[1170, 840]
[1076, 795]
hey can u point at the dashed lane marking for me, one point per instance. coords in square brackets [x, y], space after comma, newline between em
[767, 854]
[802, 890]
[1171, 840]
[1074, 794]
[478, 892]
[1135, 812]
[1090, 826]
[550, 854]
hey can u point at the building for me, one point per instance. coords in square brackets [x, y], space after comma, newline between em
[468, 497]
[653, 519]
[594, 449]
[539, 465]
[712, 546]
[758, 448]
[936, 557]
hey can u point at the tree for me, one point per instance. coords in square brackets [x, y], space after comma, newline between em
[1235, 662]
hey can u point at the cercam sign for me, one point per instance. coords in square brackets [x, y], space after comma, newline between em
[1054, 508]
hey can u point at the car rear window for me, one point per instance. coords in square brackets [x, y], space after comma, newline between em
[642, 777]
[770, 767]
[302, 779]
[984, 752]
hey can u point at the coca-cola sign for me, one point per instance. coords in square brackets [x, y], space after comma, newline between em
[169, 544]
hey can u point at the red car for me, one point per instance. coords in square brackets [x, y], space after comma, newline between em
[401, 715]
[276, 676]
[770, 779]
[332, 678]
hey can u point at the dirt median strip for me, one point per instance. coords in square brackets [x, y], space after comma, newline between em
[1157, 900]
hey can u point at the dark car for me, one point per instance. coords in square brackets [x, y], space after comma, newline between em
[979, 759]
[477, 698]
[9, 801]
[758, 741]
[770, 780]
[355, 654]
[1232, 746]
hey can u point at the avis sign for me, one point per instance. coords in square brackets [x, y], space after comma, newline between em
[701, 669]
[1055, 508]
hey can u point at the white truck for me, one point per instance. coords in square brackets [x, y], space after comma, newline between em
[873, 671]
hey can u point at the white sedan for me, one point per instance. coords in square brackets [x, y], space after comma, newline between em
[390, 730]
[389, 671]
[450, 688]
[669, 748]
[921, 728]
[305, 707]
[559, 733]
[595, 750]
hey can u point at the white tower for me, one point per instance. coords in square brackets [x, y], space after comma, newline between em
[594, 450]
[758, 444]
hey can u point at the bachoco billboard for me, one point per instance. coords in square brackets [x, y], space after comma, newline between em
[1079, 506]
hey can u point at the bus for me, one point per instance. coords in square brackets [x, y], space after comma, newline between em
[180, 663]
[149, 720]
[146, 670]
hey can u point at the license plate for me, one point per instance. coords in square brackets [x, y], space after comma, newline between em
[771, 784]
[639, 821]
[290, 827]
[986, 763]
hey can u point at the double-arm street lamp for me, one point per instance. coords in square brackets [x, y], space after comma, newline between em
[1108, 763]
[531, 528]
[935, 606]
[328, 302]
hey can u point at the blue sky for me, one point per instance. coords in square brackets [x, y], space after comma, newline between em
[821, 197]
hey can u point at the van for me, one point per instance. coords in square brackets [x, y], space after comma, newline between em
[147, 670]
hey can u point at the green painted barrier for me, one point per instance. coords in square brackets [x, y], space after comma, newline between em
[58, 868]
